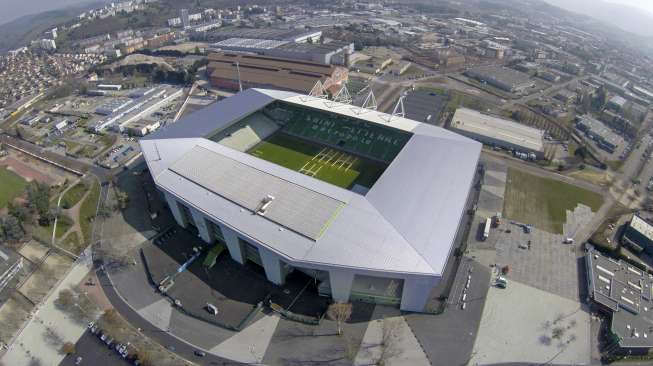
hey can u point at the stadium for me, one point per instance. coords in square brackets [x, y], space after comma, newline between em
[368, 204]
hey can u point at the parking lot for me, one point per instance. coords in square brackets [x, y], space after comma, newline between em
[234, 289]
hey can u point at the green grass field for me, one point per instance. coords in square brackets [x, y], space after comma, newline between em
[543, 202]
[11, 186]
[87, 212]
[326, 164]
[73, 195]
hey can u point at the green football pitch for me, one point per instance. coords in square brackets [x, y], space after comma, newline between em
[324, 163]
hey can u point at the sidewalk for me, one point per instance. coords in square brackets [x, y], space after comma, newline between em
[34, 343]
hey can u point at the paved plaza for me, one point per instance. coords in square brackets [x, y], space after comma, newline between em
[518, 325]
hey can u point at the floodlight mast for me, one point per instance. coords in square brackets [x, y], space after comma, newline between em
[343, 96]
[399, 110]
[370, 101]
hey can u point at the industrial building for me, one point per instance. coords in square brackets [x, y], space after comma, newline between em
[617, 103]
[626, 294]
[639, 235]
[603, 136]
[291, 35]
[232, 71]
[144, 102]
[386, 241]
[112, 106]
[498, 132]
[141, 127]
[503, 78]
[333, 53]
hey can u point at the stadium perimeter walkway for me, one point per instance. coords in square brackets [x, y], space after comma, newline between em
[32, 343]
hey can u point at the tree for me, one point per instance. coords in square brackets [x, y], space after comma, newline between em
[581, 152]
[585, 102]
[389, 334]
[600, 99]
[11, 229]
[339, 312]
[38, 198]
[65, 299]
[68, 348]
[122, 198]
[19, 212]
[145, 357]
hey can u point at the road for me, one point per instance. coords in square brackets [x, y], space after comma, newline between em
[166, 339]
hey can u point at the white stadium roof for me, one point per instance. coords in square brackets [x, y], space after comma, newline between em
[406, 222]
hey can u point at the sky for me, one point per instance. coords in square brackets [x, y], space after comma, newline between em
[642, 4]
[12, 9]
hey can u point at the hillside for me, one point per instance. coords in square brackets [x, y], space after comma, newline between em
[19, 32]
[626, 17]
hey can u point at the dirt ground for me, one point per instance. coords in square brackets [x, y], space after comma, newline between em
[33, 169]
[40, 282]
[33, 251]
[12, 315]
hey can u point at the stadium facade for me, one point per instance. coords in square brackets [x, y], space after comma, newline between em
[384, 237]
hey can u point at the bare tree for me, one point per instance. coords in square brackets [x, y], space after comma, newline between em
[52, 337]
[339, 312]
[145, 357]
[66, 298]
[389, 335]
[557, 332]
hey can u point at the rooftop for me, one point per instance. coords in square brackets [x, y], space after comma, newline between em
[503, 75]
[627, 292]
[249, 43]
[482, 124]
[398, 225]
[601, 129]
[642, 227]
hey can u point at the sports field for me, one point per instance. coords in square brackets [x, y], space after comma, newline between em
[324, 163]
[11, 186]
[544, 202]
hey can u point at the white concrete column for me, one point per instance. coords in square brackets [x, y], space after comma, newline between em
[200, 223]
[340, 282]
[416, 292]
[231, 239]
[176, 211]
[273, 266]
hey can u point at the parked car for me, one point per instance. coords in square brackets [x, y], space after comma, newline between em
[199, 353]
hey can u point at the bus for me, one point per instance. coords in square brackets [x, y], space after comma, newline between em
[486, 229]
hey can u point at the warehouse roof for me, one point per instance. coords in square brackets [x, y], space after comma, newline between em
[407, 222]
[503, 75]
[270, 62]
[249, 43]
[498, 128]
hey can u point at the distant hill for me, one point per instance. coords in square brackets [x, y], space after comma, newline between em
[625, 17]
[18, 32]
